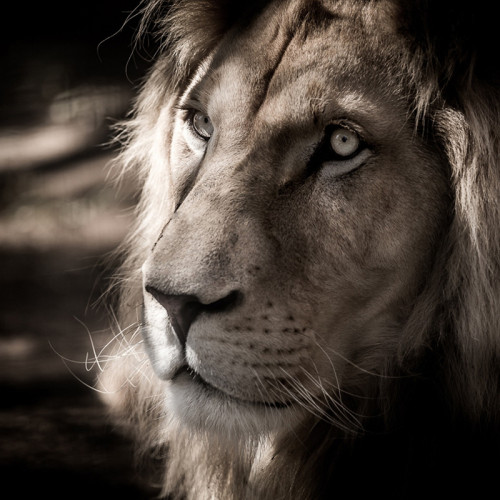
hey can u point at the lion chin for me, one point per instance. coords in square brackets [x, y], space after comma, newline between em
[313, 283]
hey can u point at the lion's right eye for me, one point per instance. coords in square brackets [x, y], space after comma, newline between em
[202, 125]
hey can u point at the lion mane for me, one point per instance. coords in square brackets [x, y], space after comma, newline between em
[429, 415]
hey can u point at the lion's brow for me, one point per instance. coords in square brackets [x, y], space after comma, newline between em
[268, 76]
[311, 16]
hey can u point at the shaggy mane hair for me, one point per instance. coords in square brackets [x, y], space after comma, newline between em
[439, 428]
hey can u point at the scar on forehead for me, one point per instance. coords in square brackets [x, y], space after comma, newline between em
[310, 18]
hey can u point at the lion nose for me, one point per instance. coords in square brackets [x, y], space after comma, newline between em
[183, 309]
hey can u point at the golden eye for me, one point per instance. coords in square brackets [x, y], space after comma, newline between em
[202, 125]
[344, 142]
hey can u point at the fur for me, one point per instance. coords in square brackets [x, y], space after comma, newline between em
[430, 418]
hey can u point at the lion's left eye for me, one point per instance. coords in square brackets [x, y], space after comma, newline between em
[344, 142]
[341, 151]
[202, 125]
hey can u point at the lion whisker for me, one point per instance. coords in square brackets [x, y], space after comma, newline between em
[357, 366]
[301, 395]
[330, 399]
[346, 419]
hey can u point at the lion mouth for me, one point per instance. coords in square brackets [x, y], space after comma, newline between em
[187, 373]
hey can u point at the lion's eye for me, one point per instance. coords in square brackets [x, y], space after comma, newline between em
[202, 125]
[340, 151]
[344, 142]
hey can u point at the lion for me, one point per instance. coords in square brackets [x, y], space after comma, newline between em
[310, 297]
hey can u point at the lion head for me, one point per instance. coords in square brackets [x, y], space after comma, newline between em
[314, 274]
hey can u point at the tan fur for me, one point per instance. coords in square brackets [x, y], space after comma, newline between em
[368, 300]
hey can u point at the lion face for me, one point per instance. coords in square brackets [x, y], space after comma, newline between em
[305, 215]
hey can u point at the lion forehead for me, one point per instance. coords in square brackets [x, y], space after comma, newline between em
[286, 76]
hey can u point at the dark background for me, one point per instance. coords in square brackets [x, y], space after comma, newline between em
[68, 72]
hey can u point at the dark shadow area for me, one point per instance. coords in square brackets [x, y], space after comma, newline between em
[68, 73]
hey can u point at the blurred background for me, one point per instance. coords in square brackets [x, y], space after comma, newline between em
[68, 72]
